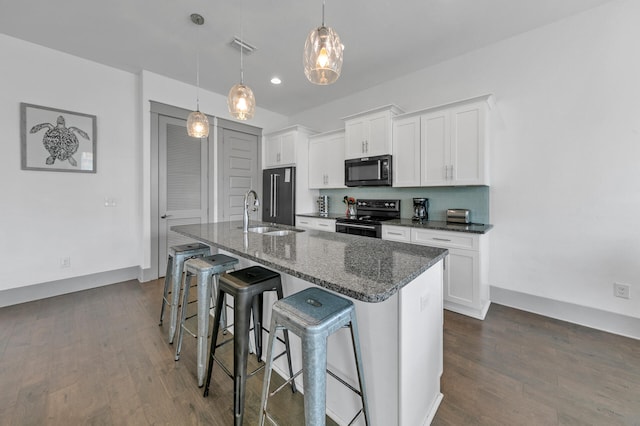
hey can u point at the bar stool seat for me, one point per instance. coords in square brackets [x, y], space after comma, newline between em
[207, 270]
[173, 278]
[313, 315]
[247, 287]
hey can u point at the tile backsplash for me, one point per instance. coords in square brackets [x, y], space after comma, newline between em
[474, 198]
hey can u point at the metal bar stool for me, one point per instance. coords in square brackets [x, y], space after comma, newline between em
[247, 287]
[173, 279]
[314, 314]
[207, 269]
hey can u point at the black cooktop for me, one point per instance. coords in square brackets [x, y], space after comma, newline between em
[374, 211]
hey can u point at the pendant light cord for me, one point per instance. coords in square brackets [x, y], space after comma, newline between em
[241, 43]
[323, 1]
[198, 68]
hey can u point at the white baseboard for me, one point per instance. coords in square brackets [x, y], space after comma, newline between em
[589, 317]
[14, 296]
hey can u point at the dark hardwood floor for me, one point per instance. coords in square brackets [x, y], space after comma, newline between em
[99, 357]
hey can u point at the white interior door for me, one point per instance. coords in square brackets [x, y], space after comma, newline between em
[183, 177]
[239, 171]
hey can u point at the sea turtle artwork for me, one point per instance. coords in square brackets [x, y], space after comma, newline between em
[60, 141]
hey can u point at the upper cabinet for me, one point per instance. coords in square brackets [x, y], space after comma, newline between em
[326, 160]
[369, 133]
[281, 147]
[443, 146]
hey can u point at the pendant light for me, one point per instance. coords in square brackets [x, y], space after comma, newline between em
[197, 122]
[323, 55]
[241, 102]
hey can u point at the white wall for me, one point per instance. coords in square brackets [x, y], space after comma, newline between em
[49, 215]
[565, 155]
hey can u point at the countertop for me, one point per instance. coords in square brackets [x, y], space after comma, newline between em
[366, 269]
[474, 228]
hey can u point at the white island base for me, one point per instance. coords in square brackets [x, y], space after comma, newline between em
[401, 341]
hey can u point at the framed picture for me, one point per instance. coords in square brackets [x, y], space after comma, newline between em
[57, 140]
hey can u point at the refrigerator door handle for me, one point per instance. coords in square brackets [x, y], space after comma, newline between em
[271, 196]
[275, 195]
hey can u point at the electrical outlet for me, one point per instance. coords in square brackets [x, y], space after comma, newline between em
[621, 290]
[65, 262]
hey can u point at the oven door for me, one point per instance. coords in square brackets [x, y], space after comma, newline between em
[366, 230]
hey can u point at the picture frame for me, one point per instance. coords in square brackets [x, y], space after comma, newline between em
[57, 140]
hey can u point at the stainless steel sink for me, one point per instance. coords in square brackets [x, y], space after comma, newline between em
[272, 230]
[282, 232]
[262, 229]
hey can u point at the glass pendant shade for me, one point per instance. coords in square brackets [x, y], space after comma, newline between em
[197, 125]
[241, 102]
[323, 56]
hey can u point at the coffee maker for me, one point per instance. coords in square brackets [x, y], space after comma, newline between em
[420, 209]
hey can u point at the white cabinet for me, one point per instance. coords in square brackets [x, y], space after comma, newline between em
[369, 133]
[326, 160]
[451, 142]
[317, 223]
[396, 233]
[282, 148]
[406, 151]
[466, 288]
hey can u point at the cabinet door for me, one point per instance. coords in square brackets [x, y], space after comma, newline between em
[435, 149]
[406, 152]
[396, 233]
[462, 275]
[272, 150]
[317, 174]
[328, 225]
[467, 145]
[355, 135]
[326, 162]
[288, 148]
[378, 135]
[305, 222]
[334, 167]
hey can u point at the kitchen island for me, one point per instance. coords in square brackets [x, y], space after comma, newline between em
[397, 290]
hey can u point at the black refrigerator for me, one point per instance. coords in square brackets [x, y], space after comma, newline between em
[279, 195]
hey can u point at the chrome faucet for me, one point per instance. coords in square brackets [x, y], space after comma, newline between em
[256, 204]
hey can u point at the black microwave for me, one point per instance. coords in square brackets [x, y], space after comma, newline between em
[368, 171]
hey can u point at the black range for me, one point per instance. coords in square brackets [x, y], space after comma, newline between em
[369, 218]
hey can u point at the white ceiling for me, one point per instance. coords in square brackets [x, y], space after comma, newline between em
[384, 39]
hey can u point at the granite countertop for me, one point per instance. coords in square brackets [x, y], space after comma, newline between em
[366, 269]
[474, 228]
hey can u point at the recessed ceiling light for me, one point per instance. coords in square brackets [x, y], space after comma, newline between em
[276, 80]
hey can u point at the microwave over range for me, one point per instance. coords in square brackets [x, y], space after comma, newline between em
[368, 171]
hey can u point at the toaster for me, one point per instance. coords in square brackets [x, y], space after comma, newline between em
[458, 216]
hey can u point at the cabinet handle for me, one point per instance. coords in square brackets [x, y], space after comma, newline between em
[395, 233]
[363, 147]
[440, 239]
[323, 224]
[366, 144]
[451, 174]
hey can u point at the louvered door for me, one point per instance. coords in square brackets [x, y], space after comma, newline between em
[182, 182]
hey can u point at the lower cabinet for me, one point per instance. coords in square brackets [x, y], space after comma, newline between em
[317, 223]
[466, 288]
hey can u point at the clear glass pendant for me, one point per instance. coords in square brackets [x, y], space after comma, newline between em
[241, 102]
[323, 56]
[197, 125]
